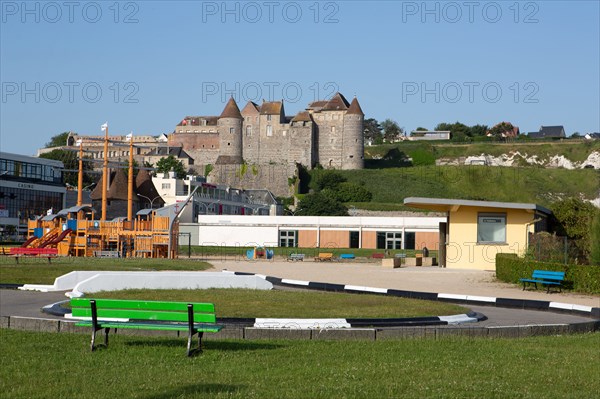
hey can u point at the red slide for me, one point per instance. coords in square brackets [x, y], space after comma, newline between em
[57, 239]
[29, 240]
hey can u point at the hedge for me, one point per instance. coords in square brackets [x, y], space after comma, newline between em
[585, 279]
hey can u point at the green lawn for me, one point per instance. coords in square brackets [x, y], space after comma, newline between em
[257, 303]
[38, 271]
[531, 185]
[46, 365]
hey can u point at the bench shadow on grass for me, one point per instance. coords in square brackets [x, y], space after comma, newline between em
[206, 345]
[193, 389]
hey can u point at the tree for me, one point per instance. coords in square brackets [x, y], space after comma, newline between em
[348, 192]
[372, 131]
[317, 204]
[502, 129]
[71, 162]
[595, 240]
[391, 130]
[573, 217]
[170, 163]
[421, 129]
[458, 131]
[60, 140]
[478, 130]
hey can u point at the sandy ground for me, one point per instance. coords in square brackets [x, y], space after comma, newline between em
[425, 279]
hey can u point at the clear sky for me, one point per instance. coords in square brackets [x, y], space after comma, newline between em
[144, 65]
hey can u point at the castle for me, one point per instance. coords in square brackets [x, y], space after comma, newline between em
[329, 133]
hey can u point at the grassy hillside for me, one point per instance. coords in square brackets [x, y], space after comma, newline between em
[425, 153]
[391, 185]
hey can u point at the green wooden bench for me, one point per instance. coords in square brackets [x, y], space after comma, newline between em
[545, 278]
[195, 318]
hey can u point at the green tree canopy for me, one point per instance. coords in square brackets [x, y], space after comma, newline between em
[326, 178]
[71, 162]
[59, 140]
[170, 163]
[391, 130]
[318, 204]
[421, 129]
[373, 131]
[573, 218]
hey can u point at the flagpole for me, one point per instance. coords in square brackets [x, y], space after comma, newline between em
[105, 172]
[80, 177]
[130, 182]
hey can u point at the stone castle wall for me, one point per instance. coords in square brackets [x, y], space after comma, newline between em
[273, 177]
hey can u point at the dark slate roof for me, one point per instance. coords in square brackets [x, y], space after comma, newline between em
[552, 131]
[337, 103]
[231, 110]
[355, 108]
[535, 135]
[177, 152]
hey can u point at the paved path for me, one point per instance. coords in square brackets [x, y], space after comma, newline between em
[425, 279]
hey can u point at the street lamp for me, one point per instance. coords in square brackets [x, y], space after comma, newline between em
[293, 213]
[150, 200]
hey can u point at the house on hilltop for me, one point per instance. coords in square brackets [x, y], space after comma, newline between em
[547, 132]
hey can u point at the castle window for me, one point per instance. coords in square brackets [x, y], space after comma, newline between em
[269, 130]
[231, 130]
[228, 144]
[249, 130]
[256, 119]
[195, 131]
[269, 117]
[203, 122]
[332, 129]
[284, 133]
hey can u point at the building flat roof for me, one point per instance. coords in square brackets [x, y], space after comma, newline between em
[446, 204]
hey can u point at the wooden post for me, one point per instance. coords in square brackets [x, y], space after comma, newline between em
[80, 177]
[105, 174]
[130, 182]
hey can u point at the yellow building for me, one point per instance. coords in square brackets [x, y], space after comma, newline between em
[476, 231]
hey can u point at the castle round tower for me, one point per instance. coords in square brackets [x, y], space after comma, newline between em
[353, 144]
[229, 127]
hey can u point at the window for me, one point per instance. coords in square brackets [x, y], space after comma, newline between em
[491, 228]
[389, 240]
[287, 238]
[269, 130]
[332, 129]
[269, 117]
[249, 130]
[166, 186]
[231, 130]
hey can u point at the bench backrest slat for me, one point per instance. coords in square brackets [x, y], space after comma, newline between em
[145, 305]
[548, 275]
[144, 310]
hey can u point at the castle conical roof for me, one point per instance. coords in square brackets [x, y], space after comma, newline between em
[355, 108]
[231, 110]
[144, 186]
[337, 103]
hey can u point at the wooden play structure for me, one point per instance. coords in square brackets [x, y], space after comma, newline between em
[76, 231]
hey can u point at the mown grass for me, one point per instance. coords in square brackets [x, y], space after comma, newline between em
[38, 271]
[286, 304]
[531, 185]
[46, 365]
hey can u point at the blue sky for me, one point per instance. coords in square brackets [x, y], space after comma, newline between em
[144, 65]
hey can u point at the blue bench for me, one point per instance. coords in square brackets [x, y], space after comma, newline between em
[347, 256]
[545, 278]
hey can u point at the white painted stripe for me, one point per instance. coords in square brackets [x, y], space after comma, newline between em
[481, 298]
[301, 324]
[366, 289]
[560, 305]
[452, 296]
[294, 282]
[582, 308]
[458, 319]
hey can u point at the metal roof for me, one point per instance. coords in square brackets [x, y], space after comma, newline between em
[445, 204]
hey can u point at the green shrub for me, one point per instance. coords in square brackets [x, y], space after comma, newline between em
[585, 279]
[348, 192]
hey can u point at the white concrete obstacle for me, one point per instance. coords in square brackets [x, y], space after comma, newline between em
[82, 282]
